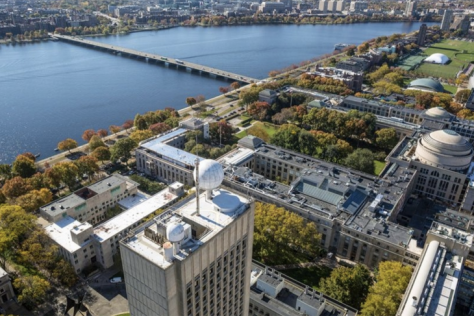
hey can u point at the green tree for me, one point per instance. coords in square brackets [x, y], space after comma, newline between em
[64, 273]
[386, 138]
[95, 142]
[101, 153]
[278, 233]
[140, 122]
[140, 135]
[190, 101]
[386, 294]
[348, 285]
[221, 132]
[287, 137]
[32, 290]
[67, 144]
[87, 165]
[122, 149]
[5, 171]
[68, 173]
[362, 160]
[23, 167]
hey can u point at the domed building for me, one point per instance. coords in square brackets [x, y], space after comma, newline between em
[437, 118]
[445, 149]
[437, 58]
[426, 84]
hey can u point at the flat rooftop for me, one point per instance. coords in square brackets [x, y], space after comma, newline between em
[60, 232]
[285, 303]
[80, 196]
[108, 183]
[133, 200]
[131, 216]
[162, 138]
[214, 215]
[236, 157]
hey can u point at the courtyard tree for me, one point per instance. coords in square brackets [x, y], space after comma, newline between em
[279, 233]
[362, 160]
[462, 95]
[221, 131]
[386, 138]
[34, 199]
[32, 290]
[385, 295]
[348, 285]
[258, 110]
[67, 144]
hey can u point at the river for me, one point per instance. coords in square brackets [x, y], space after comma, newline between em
[50, 91]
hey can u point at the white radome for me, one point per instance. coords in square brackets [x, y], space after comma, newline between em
[211, 174]
[175, 232]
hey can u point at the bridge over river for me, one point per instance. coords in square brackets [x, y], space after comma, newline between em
[148, 57]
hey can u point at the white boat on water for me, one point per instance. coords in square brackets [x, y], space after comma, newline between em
[341, 46]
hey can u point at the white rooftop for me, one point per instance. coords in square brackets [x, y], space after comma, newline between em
[132, 201]
[129, 217]
[235, 157]
[60, 232]
[214, 214]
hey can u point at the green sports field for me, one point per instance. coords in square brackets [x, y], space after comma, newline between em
[461, 54]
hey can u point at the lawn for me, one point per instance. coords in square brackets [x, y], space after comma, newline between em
[309, 276]
[460, 53]
[379, 165]
[450, 89]
[267, 127]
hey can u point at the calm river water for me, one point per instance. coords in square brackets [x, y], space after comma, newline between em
[50, 91]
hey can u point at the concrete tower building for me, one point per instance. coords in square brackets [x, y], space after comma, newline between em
[410, 8]
[446, 22]
[194, 259]
[420, 41]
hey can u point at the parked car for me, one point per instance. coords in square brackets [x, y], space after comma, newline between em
[116, 280]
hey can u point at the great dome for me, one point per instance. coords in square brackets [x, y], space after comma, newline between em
[211, 174]
[426, 84]
[437, 113]
[437, 58]
[446, 149]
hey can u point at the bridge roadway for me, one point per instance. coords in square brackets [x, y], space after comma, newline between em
[179, 64]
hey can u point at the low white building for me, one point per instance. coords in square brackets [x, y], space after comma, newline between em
[89, 204]
[106, 236]
[82, 245]
[73, 240]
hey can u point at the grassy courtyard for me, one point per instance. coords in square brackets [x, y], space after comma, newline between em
[270, 129]
[461, 54]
